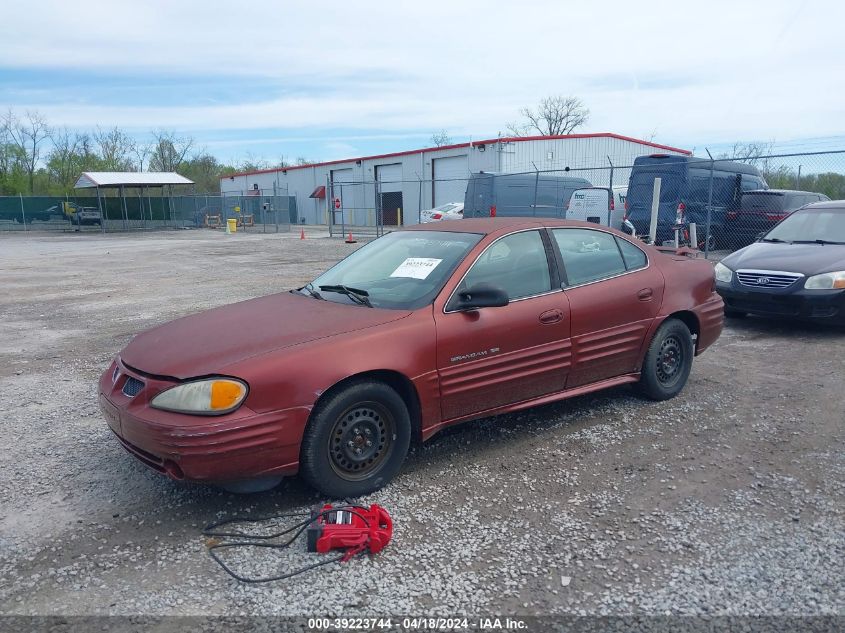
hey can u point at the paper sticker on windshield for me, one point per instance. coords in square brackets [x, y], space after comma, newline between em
[416, 267]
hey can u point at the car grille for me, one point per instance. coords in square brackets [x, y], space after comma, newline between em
[132, 387]
[766, 279]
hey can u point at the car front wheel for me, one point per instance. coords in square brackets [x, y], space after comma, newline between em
[667, 362]
[356, 440]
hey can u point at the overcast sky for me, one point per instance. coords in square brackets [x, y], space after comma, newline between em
[330, 80]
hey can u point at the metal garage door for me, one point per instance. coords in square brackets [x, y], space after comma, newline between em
[450, 179]
[390, 177]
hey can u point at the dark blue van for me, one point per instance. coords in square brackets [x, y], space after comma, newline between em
[685, 180]
[520, 195]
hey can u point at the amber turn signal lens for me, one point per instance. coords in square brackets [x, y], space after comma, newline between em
[225, 394]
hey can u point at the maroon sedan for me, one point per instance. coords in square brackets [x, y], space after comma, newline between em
[417, 330]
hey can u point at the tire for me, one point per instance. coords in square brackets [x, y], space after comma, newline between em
[356, 440]
[667, 362]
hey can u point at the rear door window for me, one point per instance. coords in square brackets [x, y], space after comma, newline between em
[633, 256]
[588, 255]
[750, 183]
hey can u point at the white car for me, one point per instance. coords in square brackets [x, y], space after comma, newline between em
[448, 211]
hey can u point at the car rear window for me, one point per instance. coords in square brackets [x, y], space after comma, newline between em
[764, 202]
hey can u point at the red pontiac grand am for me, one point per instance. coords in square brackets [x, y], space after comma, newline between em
[415, 331]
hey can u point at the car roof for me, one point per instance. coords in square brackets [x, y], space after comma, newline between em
[695, 161]
[777, 192]
[492, 225]
[827, 204]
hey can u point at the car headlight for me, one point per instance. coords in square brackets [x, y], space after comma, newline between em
[826, 281]
[723, 273]
[213, 396]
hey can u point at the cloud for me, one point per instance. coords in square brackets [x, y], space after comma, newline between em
[693, 72]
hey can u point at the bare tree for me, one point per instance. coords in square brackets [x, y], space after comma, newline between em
[253, 163]
[301, 160]
[141, 152]
[441, 138]
[9, 155]
[169, 150]
[28, 136]
[554, 115]
[116, 148]
[751, 153]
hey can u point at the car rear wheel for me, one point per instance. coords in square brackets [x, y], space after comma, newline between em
[667, 362]
[356, 440]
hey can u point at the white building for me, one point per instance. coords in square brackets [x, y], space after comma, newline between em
[407, 182]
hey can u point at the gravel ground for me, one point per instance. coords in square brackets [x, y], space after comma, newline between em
[727, 500]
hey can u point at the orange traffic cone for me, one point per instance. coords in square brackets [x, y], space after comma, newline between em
[302, 234]
[350, 239]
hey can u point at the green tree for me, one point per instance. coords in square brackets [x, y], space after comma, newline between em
[205, 170]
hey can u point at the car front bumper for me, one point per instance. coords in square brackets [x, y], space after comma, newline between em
[237, 446]
[816, 305]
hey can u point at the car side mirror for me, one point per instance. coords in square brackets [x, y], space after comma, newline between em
[481, 296]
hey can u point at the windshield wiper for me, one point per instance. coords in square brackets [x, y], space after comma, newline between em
[356, 294]
[773, 239]
[310, 290]
[817, 242]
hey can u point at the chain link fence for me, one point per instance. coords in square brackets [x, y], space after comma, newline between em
[259, 210]
[717, 204]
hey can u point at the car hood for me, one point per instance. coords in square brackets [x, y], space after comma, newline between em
[808, 259]
[202, 344]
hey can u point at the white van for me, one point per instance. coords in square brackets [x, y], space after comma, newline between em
[620, 193]
[600, 205]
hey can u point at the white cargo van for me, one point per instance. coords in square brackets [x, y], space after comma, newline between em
[599, 205]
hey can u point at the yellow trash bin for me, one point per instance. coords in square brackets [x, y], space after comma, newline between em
[233, 225]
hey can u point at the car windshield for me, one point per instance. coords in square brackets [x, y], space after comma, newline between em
[445, 208]
[811, 225]
[401, 271]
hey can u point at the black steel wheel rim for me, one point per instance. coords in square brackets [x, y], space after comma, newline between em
[361, 440]
[670, 360]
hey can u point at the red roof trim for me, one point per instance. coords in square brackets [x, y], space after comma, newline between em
[504, 139]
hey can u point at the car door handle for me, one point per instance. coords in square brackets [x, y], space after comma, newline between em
[645, 294]
[551, 316]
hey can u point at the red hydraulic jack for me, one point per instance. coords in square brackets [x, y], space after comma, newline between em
[351, 528]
